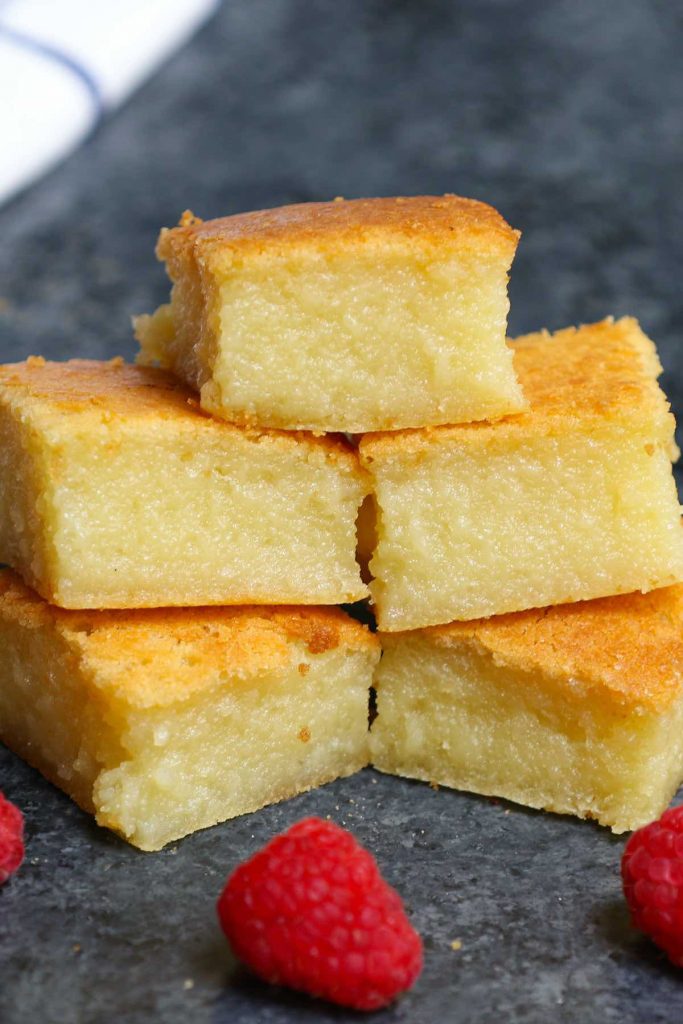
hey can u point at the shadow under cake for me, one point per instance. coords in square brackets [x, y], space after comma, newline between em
[571, 500]
[368, 314]
[165, 721]
[576, 709]
[116, 491]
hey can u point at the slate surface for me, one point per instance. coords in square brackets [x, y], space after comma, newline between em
[566, 116]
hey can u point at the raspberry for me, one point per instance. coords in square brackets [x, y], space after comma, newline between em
[310, 910]
[652, 873]
[11, 838]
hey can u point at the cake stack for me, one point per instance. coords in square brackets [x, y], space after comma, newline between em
[167, 523]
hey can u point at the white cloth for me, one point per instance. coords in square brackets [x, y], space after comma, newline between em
[63, 63]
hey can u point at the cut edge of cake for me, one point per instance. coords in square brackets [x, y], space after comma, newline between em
[49, 411]
[203, 258]
[163, 722]
[576, 709]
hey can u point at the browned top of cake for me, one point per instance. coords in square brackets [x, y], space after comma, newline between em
[85, 392]
[82, 385]
[577, 378]
[448, 223]
[630, 646]
[596, 369]
[150, 657]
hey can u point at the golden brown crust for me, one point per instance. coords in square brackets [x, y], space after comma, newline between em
[574, 378]
[443, 222]
[630, 646]
[596, 369]
[160, 655]
[80, 385]
[117, 392]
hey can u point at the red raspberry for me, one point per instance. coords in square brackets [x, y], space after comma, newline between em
[652, 873]
[311, 911]
[11, 838]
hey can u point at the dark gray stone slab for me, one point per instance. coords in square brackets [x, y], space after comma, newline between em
[565, 115]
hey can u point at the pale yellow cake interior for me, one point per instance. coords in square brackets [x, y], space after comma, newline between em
[573, 500]
[164, 722]
[372, 330]
[469, 710]
[153, 503]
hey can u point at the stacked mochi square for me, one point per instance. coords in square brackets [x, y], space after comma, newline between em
[329, 376]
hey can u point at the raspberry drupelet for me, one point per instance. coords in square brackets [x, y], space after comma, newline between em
[311, 911]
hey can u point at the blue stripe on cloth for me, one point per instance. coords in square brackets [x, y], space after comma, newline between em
[67, 62]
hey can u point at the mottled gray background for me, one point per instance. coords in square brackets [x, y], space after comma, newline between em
[566, 116]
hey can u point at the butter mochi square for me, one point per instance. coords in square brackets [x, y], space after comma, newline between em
[164, 721]
[571, 500]
[116, 491]
[369, 314]
[576, 709]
